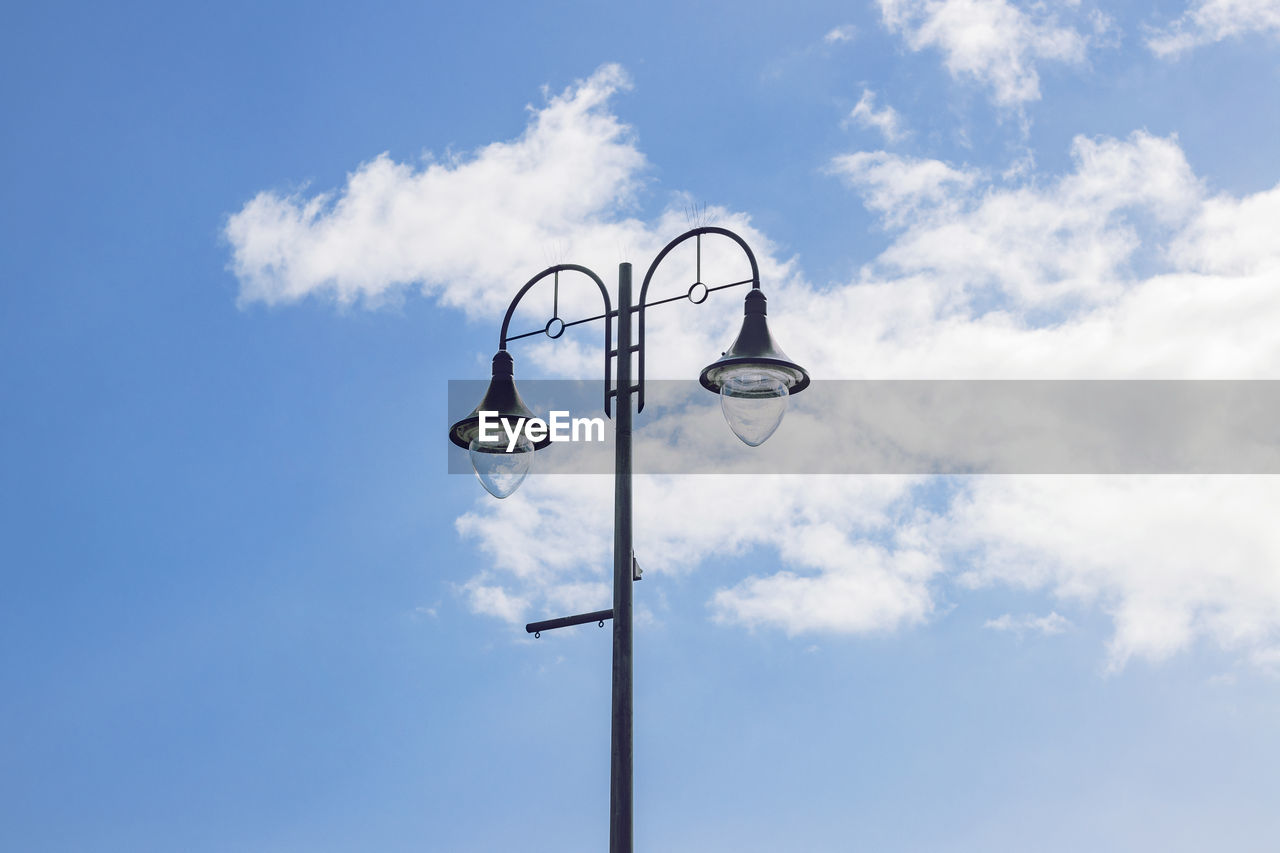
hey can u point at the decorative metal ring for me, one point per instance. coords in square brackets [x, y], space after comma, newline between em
[698, 293]
[601, 623]
[537, 634]
[556, 324]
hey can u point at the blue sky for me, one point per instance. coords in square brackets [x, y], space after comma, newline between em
[247, 246]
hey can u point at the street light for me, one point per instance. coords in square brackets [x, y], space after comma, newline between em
[754, 379]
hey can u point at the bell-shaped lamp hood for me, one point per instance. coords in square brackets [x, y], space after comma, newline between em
[501, 398]
[754, 347]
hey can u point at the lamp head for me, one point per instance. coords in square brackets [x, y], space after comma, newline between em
[500, 465]
[754, 348]
[754, 377]
[500, 397]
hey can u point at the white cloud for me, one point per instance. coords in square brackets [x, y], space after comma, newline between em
[1232, 236]
[471, 230]
[900, 187]
[1210, 21]
[840, 34]
[1053, 623]
[1171, 559]
[993, 42]
[886, 120]
[1124, 266]
[464, 229]
[817, 527]
[495, 600]
[866, 588]
[986, 253]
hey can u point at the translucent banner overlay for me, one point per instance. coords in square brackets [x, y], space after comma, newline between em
[923, 427]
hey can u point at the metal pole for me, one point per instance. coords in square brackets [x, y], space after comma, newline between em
[620, 767]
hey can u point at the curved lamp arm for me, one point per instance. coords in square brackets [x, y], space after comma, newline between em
[648, 277]
[698, 232]
[555, 326]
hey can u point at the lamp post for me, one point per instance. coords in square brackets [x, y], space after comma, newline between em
[753, 377]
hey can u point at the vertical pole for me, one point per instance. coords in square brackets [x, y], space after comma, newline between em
[620, 768]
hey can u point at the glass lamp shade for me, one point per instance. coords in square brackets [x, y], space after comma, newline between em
[501, 471]
[753, 400]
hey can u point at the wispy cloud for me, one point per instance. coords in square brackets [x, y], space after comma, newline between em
[886, 120]
[1038, 241]
[993, 42]
[840, 34]
[862, 588]
[396, 224]
[1172, 560]
[901, 187]
[1210, 21]
[1029, 623]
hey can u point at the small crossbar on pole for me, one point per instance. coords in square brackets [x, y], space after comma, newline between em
[566, 621]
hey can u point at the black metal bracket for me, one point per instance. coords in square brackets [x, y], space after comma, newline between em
[536, 628]
[698, 291]
[556, 326]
